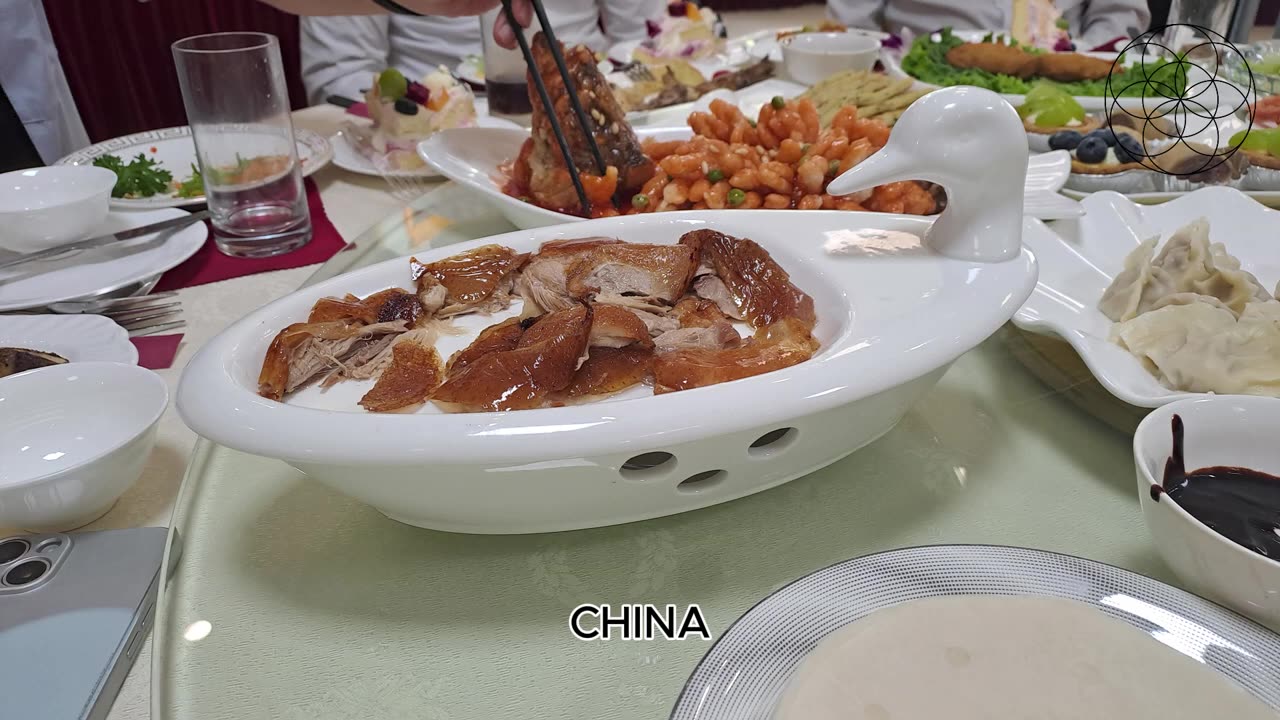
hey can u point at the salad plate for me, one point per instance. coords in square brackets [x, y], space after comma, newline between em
[347, 155]
[1080, 259]
[173, 150]
[99, 270]
[893, 58]
[1270, 198]
[743, 676]
[78, 338]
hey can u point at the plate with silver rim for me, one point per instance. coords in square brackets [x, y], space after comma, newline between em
[744, 674]
[173, 149]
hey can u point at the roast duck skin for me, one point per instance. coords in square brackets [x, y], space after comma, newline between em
[598, 316]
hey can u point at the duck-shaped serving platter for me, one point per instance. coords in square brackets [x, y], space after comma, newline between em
[897, 298]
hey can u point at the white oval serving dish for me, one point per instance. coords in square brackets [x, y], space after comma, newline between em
[891, 320]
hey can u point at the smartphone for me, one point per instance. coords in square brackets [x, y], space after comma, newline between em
[74, 610]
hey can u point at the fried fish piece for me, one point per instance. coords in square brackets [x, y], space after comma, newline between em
[1072, 66]
[994, 57]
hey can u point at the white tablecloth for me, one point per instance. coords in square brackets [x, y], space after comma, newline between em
[353, 203]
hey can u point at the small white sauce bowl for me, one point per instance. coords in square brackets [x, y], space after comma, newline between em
[812, 57]
[73, 438]
[45, 207]
[1219, 430]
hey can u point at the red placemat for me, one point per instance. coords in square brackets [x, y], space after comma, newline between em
[208, 265]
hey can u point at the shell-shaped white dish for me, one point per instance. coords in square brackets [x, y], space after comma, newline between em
[473, 157]
[892, 316]
[1080, 259]
[78, 338]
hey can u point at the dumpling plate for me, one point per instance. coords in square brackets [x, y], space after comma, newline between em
[1079, 260]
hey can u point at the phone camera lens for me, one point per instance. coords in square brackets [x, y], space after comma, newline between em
[11, 550]
[26, 573]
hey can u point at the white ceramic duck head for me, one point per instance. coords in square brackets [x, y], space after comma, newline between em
[972, 143]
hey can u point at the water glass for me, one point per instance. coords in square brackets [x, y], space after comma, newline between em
[505, 82]
[238, 108]
[1212, 15]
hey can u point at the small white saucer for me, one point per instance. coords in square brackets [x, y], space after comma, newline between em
[78, 338]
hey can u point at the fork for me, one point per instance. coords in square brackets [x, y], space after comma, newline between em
[405, 187]
[139, 315]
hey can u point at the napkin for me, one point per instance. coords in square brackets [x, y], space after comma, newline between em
[156, 352]
[208, 265]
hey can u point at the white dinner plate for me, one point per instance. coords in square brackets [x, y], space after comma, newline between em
[749, 99]
[173, 149]
[743, 675]
[68, 277]
[78, 338]
[764, 43]
[1270, 198]
[347, 155]
[1079, 260]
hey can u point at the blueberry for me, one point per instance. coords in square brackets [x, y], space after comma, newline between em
[1064, 140]
[1092, 149]
[405, 106]
[1128, 149]
[1105, 135]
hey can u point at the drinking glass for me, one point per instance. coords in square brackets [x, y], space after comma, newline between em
[1214, 15]
[238, 109]
[505, 83]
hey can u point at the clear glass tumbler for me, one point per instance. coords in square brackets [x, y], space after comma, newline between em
[238, 109]
[505, 83]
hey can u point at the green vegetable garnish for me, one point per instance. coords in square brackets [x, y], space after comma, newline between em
[804, 149]
[778, 102]
[192, 186]
[392, 84]
[736, 197]
[1265, 140]
[140, 178]
[715, 175]
[1268, 65]
[927, 61]
[833, 167]
[639, 200]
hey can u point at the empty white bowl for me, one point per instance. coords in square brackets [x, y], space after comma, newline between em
[45, 207]
[73, 438]
[1218, 430]
[812, 57]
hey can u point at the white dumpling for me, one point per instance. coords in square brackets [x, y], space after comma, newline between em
[1192, 264]
[1138, 286]
[1198, 345]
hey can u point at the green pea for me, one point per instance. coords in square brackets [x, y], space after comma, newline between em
[736, 197]
[715, 175]
[639, 200]
[778, 102]
[833, 168]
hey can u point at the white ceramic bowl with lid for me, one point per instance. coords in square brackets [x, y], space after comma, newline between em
[45, 207]
[812, 57]
[1219, 430]
[73, 438]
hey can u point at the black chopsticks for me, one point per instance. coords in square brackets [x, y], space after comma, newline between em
[584, 123]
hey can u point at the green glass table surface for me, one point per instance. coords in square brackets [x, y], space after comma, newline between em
[292, 601]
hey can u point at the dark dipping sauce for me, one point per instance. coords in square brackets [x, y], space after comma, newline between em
[1240, 504]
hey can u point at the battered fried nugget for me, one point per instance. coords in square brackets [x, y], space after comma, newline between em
[1070, 67]
[993, 57]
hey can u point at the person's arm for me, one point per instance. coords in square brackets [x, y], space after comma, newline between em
[1104, 20]
[625, 19]
[866, 14]
[341, 55]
